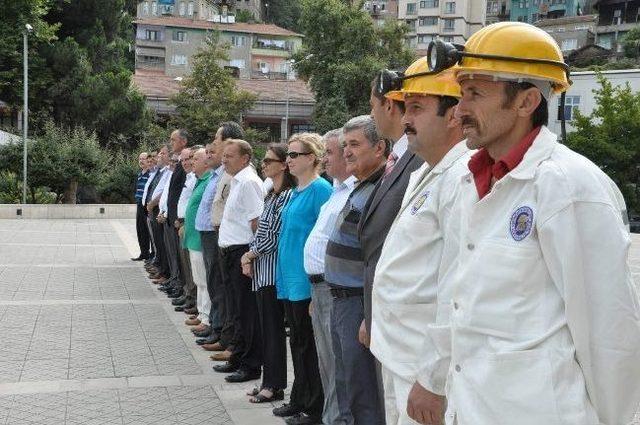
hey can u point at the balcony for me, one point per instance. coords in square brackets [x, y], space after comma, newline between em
[143, 42]
[271, 75]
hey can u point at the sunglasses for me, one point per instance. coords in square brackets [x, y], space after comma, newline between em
[270, 161]
[294, 155]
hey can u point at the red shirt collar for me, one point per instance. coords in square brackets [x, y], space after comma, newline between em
[485, 169]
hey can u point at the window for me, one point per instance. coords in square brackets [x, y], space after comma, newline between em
[493, 7]
[569, 44]
[183, 9]
[238, 63]
[238, 40]
[152, 35]
[411, 42]
[263, 66]
[302, 128]
[190, 9]
[178, 60]
[411, 8]
[450, 7]
[179, 36]
[154, 8]
[617, 17]
[571, 104]
[412, 25]
[429, 20]
[145, 8]
[449, 24]
[534, 17]
[447, 39]
[428, 4]
[425, 38]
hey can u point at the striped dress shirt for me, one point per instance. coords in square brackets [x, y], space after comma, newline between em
[265, 243]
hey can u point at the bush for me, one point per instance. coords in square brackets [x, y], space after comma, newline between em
[117, 184]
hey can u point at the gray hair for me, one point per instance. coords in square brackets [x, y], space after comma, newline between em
[367, 125]
[337, 134]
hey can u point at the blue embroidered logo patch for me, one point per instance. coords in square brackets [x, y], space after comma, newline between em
[419, 202]
[521, 223]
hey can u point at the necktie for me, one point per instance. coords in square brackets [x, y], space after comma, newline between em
[391, 162]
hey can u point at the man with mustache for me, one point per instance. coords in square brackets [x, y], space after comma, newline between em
[543, 323]
[418, 252]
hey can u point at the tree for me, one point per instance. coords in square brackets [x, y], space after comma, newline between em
[209, 95]
[610, 137]
[341, 53]
[284, 13]
[631, 43]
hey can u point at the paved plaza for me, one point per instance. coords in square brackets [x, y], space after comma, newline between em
[86, 339]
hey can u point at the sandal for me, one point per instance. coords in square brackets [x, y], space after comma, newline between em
[260, 398]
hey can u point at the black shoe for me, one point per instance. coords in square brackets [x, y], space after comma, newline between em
[179, 301]
[175, 294]
[227, 367]
[204, 334]
[303, 419]
[243, 375]
[287, 409]
[139, 258]
[208, 340]
[179, 308]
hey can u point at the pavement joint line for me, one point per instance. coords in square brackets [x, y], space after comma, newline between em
[127, 239]
[59, 245]
[67, 265]
[139, 301]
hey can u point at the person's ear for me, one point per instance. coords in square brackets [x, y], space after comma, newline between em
[528, 101]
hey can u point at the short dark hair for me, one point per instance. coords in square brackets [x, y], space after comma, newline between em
[231, 130]
[444, 103]
[381, 97]
[540, 115]
[183, 134]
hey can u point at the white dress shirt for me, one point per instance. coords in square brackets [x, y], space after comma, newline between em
[401, 146]
[152, 174]
[316, 245]
[245, 203]
[187, 189]
[164, 196]
[164, 181]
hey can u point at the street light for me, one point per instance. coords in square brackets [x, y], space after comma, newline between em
[25, 110]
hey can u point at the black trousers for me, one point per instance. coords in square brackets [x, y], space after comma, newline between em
[158, 238]
[247, 344]
[210, 252]
[274, 338]
[306, 391]
[172, 243]
[142, 230]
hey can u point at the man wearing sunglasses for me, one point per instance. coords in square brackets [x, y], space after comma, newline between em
[543, 313]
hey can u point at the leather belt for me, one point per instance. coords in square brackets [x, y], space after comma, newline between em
[232, 248]
[316, 278]
[346, 292]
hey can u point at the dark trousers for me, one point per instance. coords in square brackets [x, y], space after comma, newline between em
[142, 230]
[158, 238]
[306, 391]
[189, 288]
[357, 362]
[172, 243]
[247, 344]
[274, 338]
[214, 277]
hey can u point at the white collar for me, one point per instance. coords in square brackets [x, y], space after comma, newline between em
[401, 146]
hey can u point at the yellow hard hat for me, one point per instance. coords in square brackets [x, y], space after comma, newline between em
[430, 84]
[515, 40]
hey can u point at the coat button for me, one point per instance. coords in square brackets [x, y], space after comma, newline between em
[458, 368]
[470, 246]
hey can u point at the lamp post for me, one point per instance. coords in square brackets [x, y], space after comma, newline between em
[25, 110]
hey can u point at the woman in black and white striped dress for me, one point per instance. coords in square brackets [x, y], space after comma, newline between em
[260, 263]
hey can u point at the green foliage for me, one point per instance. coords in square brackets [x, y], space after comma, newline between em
[610, 137]
[341, 53]
[209, 95]
[284, 13]
[117, 183]
[11, 190]
[631, 43]
[601, 64]
[243, 15]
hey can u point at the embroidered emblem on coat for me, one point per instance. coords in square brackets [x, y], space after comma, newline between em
[419, 202]
[521, 223]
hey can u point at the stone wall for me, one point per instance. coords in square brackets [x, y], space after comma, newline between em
[53, 211]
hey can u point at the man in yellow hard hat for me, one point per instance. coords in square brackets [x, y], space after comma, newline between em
[543, 314]
[415, 254]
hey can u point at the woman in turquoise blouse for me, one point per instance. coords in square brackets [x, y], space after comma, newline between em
[292, 283]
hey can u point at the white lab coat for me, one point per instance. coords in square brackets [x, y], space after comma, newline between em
[544, 316]
[413, 258]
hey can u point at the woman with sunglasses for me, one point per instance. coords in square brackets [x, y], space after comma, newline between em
[260, 263]
[294, 288]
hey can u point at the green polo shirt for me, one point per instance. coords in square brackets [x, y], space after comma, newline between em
[191, 235]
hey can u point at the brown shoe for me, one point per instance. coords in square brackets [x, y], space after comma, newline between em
[222, 356]
[159, 280]
[200, 328]
[213, 347]
[192, 322]
[192, 310]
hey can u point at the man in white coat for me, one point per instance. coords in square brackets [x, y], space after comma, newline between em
[544, 324]
[406, 279]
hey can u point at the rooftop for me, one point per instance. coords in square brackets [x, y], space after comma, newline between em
[266, 29]
[157, 85]
[566, 20]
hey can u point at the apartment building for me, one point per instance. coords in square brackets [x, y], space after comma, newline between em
[617, 17]
[534, 10]
[381, 10]
[453, 21]
[197, 9]
[497, 11]
[571, 32]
